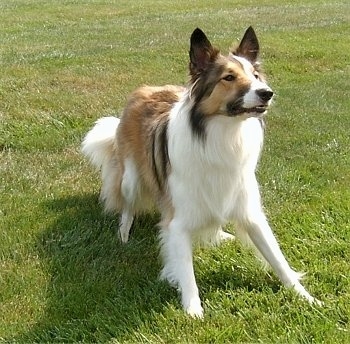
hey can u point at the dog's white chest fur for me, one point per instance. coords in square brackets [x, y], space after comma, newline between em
[209, 174]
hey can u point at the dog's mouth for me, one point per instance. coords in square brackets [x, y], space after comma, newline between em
[236, 109]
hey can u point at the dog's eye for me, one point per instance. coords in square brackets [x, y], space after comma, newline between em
[256, 75]
[229, 77]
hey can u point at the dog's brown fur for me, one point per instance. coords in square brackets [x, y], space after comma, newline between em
[141, 135]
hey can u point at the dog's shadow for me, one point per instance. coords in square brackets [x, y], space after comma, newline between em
[97, 287]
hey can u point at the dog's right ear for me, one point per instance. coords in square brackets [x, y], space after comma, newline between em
[202, 53]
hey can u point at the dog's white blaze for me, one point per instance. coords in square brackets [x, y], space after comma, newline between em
[251, 98]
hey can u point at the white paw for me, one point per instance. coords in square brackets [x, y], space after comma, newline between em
[194, 308]
[301, 291]
[224, 236]
[126, 221]
[318, 302]
[124, 235]
[314, 301]
[166, 277]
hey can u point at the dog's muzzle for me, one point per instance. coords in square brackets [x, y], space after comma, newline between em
[264, 96]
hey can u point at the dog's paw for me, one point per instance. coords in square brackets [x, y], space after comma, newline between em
[301, 291]
[124, 236]
[313, 301]
[224, 236]
[318, 303]
[194, 308]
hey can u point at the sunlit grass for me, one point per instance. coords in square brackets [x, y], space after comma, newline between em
[64, 277]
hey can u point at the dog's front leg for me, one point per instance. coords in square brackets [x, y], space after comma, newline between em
[176, 249]
[262, 237]
[252, 221]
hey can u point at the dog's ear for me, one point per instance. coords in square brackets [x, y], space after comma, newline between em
[202, 53]
[249, 46]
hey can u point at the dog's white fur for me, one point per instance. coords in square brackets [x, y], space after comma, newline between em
[209, 183]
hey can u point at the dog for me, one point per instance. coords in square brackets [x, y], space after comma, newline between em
[192, 152]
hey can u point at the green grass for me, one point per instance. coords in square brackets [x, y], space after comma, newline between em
[64, 277]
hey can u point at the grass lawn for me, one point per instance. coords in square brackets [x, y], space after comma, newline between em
[64, 277]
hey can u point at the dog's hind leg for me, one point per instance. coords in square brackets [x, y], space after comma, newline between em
[129, 192]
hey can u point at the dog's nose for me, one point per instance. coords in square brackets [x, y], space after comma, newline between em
[265, 94]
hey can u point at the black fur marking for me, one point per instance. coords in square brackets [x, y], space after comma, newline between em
[201, 89]
[197, 122]
[160, 155]
[262, 123]
[154, 154]
[234, 108]
[164, 154]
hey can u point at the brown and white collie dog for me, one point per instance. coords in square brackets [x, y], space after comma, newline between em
[192, 152]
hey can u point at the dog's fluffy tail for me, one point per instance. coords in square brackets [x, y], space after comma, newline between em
[99, 147]
[98, 142]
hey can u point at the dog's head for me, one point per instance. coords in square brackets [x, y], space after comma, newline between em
[226, 85]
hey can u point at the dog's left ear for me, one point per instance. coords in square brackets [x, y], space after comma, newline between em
[249, 46]
[202, 53]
